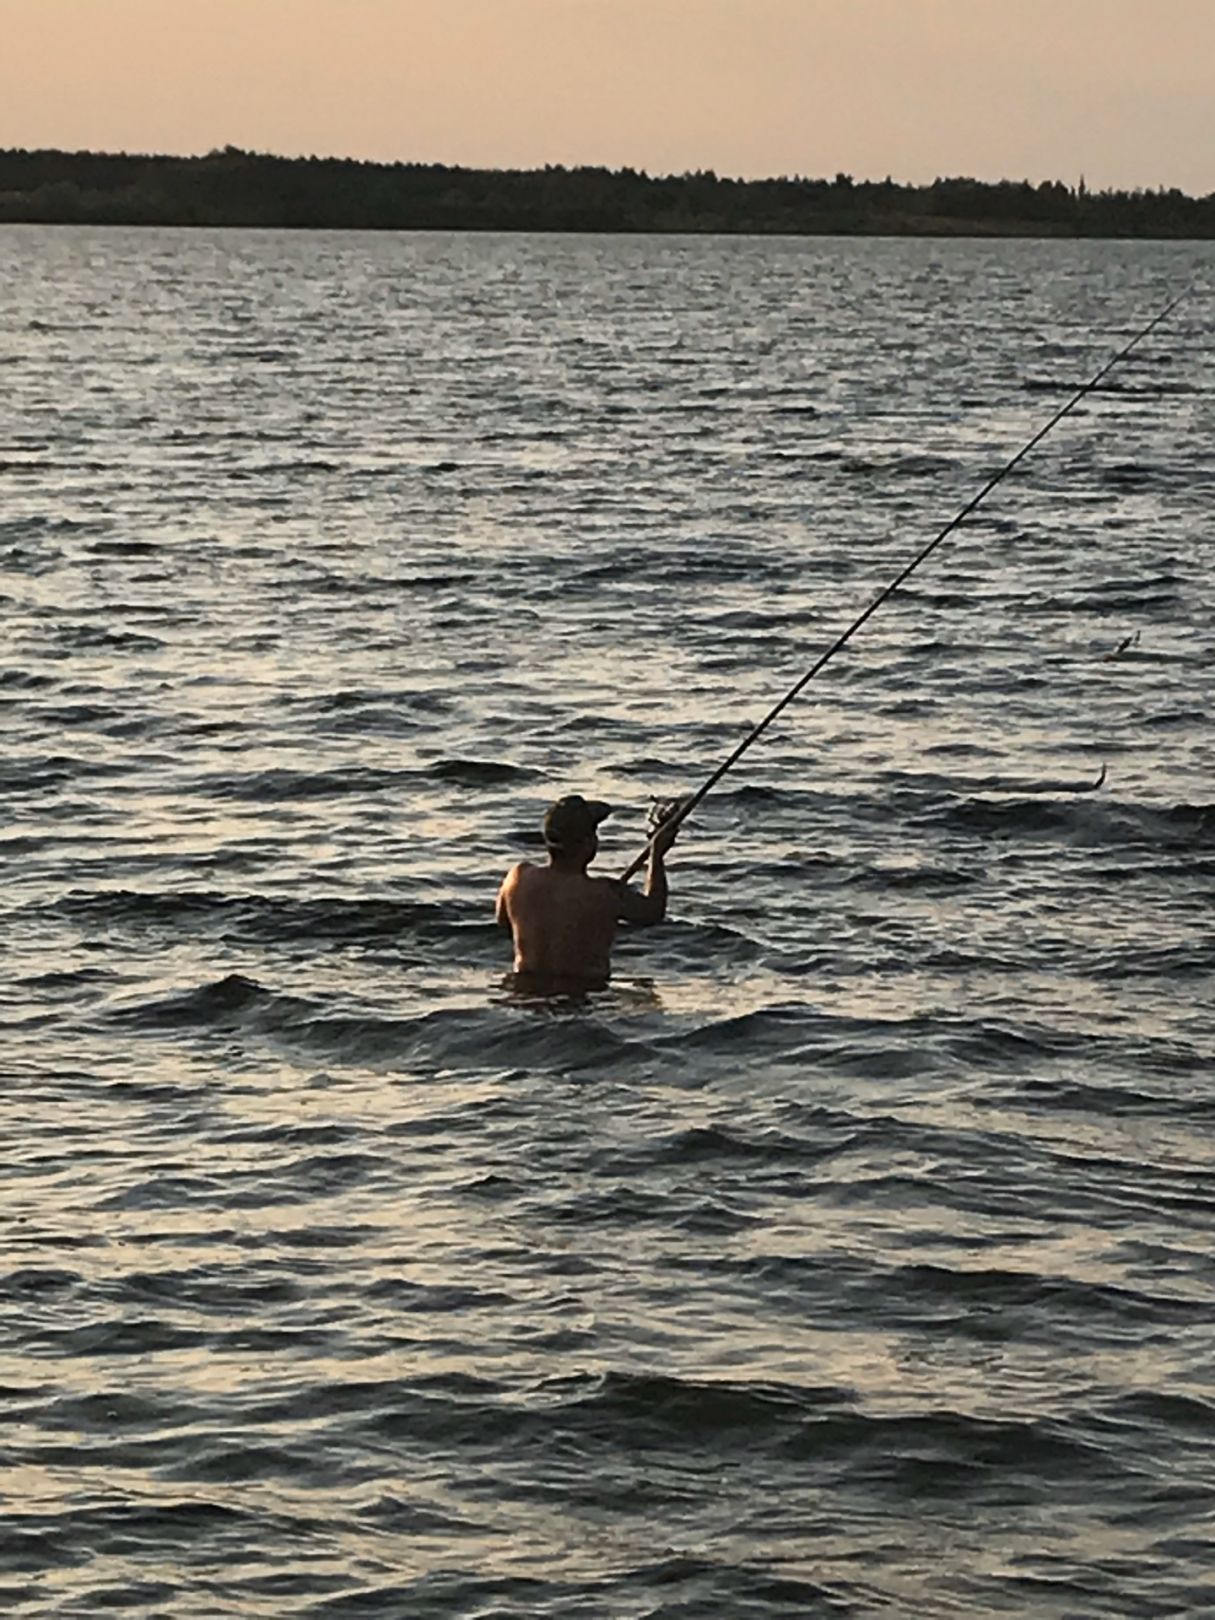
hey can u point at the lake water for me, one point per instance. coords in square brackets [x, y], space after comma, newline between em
[855, 1252]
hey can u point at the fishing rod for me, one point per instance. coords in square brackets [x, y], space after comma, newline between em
[686, 807]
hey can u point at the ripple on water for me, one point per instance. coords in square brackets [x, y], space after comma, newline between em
[851, 1254]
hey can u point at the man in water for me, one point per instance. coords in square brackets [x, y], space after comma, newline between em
[563, 920]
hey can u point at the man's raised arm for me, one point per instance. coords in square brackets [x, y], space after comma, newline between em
[643, 910]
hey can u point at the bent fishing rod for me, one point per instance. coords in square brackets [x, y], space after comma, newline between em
[687, 806]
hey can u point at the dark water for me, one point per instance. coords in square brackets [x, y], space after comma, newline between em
[853, 1253]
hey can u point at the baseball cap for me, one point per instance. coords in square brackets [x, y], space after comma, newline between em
[573, 819]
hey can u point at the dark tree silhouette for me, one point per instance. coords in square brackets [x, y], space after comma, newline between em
[233, 187]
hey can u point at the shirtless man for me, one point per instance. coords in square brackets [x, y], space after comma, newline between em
[563, 920]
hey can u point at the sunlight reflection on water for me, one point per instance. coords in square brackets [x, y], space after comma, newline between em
[810, 1266]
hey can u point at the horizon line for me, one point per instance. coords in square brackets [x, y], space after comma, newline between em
[230, 149]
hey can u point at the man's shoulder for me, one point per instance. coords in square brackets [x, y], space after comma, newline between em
[610, 892]
[602, 891]
[529, 875]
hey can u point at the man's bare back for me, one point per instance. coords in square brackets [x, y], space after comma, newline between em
[563, 920]
[563, 923]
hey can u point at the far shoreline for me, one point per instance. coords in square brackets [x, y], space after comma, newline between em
[705, 234]
[237, 190]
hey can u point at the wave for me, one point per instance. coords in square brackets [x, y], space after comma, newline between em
[1172, 963]
[915, 465]
[479, 772]
[705, 1144]
[45, 773]
[25, 680]
[279, 785]
[271, 919]
[780, 1425]
[561, 1035]
[913, 878]
[1130, 596]
[218, 1004]
[126, 548]
[1067, 1095]
[1108, 385]
[1101, 822]
[42, 523]
[96, 638]
[1034, 1295]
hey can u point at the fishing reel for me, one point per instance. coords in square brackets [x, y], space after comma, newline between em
[661, 811]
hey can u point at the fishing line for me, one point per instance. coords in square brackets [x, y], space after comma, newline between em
[688, 805]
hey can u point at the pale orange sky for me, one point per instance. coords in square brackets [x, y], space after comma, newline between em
[1121, 91]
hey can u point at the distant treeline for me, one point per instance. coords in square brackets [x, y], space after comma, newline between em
[232, 187]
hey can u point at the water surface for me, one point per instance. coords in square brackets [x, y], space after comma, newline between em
[852, 1253]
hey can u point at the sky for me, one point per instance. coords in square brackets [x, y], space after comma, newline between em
[1121, 92]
